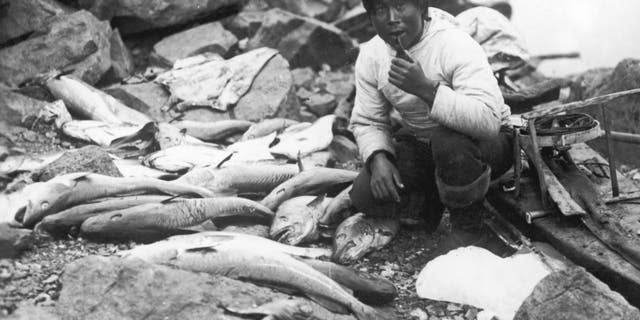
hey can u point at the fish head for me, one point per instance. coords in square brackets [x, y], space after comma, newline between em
[43, 198]
[296, 220]
[353, 239]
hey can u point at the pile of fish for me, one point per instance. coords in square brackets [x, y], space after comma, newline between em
[209, 197]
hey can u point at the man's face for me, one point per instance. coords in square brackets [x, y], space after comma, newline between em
[397, 18]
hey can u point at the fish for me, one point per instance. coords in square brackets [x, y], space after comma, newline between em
[67, 222]
[90, 103]
[274, 268]
[217, 84]
[254, 149]
[161, 251]
[152, 221]
[343, 149]
[62, 192]
[296, 220]
[313, 181]
[338, 209]
[97, 132]
[368, 288]
[267, 127]
[317, 137]
[213, 131]
[16, 161]
[240, 179]
[184, 157]
[359, 235]
[257, 230]
[283, 309]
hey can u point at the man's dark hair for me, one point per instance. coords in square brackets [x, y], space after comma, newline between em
[424, 4]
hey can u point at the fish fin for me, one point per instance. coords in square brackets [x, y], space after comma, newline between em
[275, 141]
[299, 161]
[224, 160]
[167, 200]
[317, 201]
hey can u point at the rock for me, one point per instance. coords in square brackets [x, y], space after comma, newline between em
[562, 295]
[146, 97]
[140, 15]
[86, 159]
[271, 95]
[20, 18]
[343, 149]
[76, 41]
[324, 10]
[29, 311]
[303, 41]
[303, 77]
[321, 104]
[355, 23]
[17, 109]
[121, 60]
[337, 82]
[210, 37]
[306, 115]
[304, 94]
[14, 240]
[111, 288]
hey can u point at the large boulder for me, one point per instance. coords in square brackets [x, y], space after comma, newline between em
[14, 240]
[139, 15]
[272, 94]
[19, 18]
[244, 24]
[356, 24]
[76, 41]
[110, 288]
[303, 41]
[17, 109]
[209, 37]
[121, 60]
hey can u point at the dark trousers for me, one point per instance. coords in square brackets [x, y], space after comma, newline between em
[448, 171]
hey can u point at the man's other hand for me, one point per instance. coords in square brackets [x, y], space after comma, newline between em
[385, 179]
[408, 76]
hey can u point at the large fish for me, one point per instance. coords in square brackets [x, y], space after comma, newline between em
[184, 157]
[314, 181]
[213, 131]
[62, 192]
[240, 179]
[284, 309]
[133, 169]
[274, 268]
[155, 221]
[254, 149]
[368, 288]
[91, 103]
[267, 127]
[17, 161]
[98, 132]
[68, 221]
[359, 235]
[314, 138]
[161, 251]
[296, 220]
[338, 209]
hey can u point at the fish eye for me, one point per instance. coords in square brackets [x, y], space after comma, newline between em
[341, 236]
[116, 216]
[283, 218]
[44, 205]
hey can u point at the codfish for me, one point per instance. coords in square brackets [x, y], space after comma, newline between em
[296, 220]
[266, 127]
[98, 132]
[213, 131]
[358, 235]
[274, 268]
[184, 157]
[68, 221]
[91, 103]
[315, 138]
[62, 192]
[159, 252]
[154, 221]
[240, 179]
[309, 182]
[338, 209]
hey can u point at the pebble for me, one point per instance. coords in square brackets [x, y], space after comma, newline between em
[53, 278]
[66, 144]
[5, 274]
[43, 299]
[419, 314]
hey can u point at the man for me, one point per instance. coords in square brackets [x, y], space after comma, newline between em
[439, 81]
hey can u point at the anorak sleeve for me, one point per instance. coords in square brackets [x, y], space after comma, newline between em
[473, 103]
[370, 120]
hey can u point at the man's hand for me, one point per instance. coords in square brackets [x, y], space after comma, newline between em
[408, 76]
[385, 179]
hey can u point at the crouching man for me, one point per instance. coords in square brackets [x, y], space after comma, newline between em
[454, 139]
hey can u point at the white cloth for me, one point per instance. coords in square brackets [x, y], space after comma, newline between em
[468, 100]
